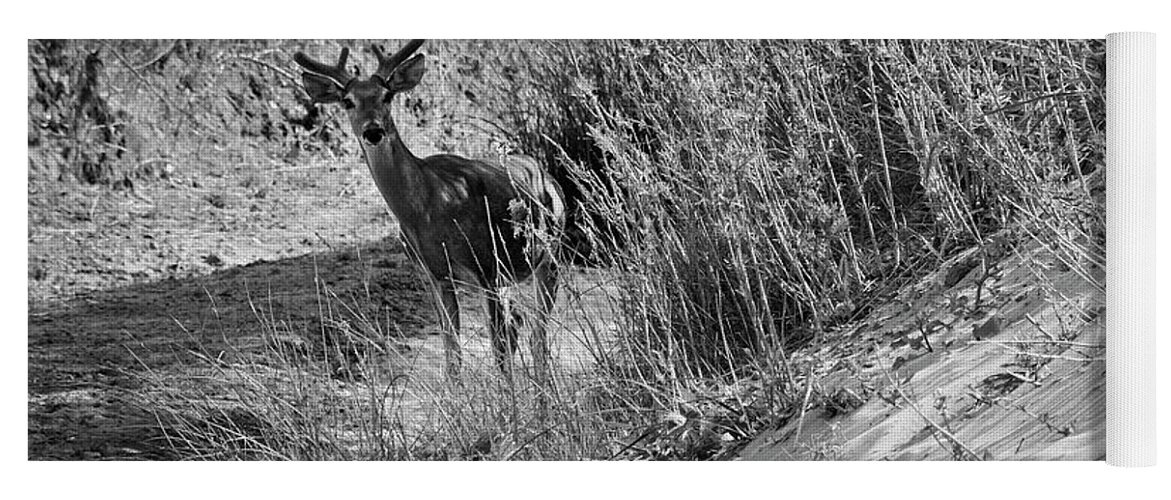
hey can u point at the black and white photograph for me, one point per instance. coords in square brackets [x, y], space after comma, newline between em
[567, 249]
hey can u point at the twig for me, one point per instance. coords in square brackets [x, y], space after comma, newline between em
[1023, 378]
[644, 435]
[1040, 328]
[288, 76]
[950, 437]
[804, 403]
[527, 443]
[1026, 102]
[324, 241]
[1044, 342]
[1058, 356]
[159, 57]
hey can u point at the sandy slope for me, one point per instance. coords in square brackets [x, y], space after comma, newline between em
[1021, 379]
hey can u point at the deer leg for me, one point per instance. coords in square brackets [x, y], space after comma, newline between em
[545, 275]
[502, 330]
[515, 321]
[448, 307]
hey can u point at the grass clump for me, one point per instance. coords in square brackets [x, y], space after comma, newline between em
[750, 195]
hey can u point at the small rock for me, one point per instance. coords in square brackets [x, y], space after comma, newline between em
[989, 329]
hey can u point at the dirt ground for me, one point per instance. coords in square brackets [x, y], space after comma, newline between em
[178, 261]
[122, 279]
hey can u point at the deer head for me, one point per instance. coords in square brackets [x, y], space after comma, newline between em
[366, 101]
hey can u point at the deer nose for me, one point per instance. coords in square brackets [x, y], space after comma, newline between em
[374, 135]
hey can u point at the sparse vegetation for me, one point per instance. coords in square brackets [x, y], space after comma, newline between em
[747, 207]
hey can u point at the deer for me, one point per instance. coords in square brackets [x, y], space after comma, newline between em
[464, 221]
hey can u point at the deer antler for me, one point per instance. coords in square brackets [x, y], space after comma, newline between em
[386, 65]
[337, 73]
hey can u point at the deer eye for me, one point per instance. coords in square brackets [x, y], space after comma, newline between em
[347, 103]
[387, 97]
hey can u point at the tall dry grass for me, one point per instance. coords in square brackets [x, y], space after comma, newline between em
[751, 194]
[744, 197]
[352, 387]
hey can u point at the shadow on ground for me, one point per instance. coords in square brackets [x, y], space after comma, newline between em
[86, 357]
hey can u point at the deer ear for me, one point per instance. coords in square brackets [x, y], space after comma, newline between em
[320, 88]
[408, 74]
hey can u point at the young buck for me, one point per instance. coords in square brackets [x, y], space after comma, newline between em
[470, 221]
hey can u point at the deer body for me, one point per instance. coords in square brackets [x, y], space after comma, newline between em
[454, 213]
[465, 221]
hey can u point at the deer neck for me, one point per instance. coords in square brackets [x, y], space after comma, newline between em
[398, 175]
